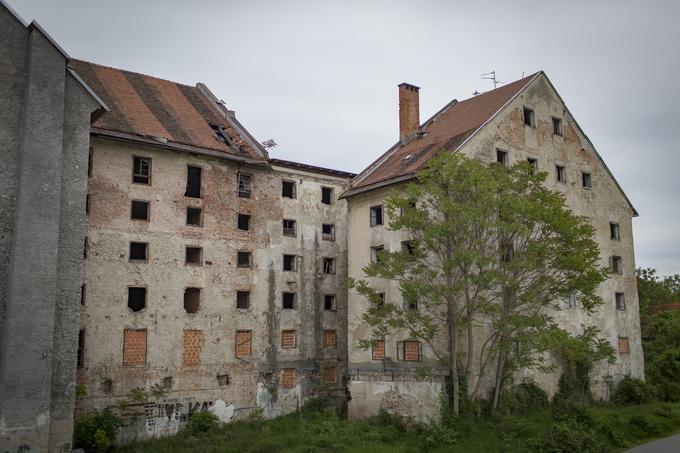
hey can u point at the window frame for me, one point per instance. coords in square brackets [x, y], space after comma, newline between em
[329, 190]
[247, 190]
[134, 170]
[200, 217]
[586, 180]
[293, 266]
[146, 252]
[328, 236]
[248, 218]
[615, 231]
[329, 265]
[560, 174]
[290, 231]
[148, 210]
[529, 116]
[293, 194]
[503, 157]
[557, 126]
[246, 294]
[620, 301]
[333, 299]
[379, 211]
[250, 259]
[186, 255]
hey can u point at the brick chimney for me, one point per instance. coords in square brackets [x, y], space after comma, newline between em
[409, 110]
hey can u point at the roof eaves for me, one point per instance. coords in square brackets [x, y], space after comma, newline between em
[312, 168]
[377, 185]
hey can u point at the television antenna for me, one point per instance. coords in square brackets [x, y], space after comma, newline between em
[492, 76]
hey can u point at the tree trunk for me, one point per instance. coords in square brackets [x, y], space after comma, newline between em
[470, 342]
[453, 340]
[500, 370]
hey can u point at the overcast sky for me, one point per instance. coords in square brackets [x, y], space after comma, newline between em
[320, 77]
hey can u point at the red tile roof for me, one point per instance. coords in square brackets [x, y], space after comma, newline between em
[146, 107]
[445, 131]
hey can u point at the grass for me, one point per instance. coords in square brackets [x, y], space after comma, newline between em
[313, 429]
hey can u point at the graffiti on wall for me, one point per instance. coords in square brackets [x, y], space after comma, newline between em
[166, 417]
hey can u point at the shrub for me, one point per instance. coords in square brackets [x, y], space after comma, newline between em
[573, 411]
[202, 422]
[566, 437]
[96, 430]
[644, 424]
[632, 391]
[524, 398]
[515, 428]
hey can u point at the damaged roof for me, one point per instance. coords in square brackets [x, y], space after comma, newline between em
[158, 111]
[445, 131]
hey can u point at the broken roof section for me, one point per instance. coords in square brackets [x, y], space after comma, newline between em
[157, 111]
[445, 131]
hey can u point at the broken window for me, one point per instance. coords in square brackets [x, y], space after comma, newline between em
[195, 216]
[624, 347]
[289, 262]
[81, 349]
[289, 227]
[136, 298]
[243, 343]
[139, 210]
[329, 266]
[407, 247]
[244, 187]
[557, 126]
[288, 339]
[243, 259]
[288, 189]
[288, 301]
[529, 117]
[329, 302]
[534, 165]
[288, 378]
[614, 231]
[561, 173]
[376, 215]
[586, 180]
[502, 157]
[242, 300]
[222, 379]
[193, 182]
[134, 347]
[243, 222]
[378, 350]
[330, 339]
[328, 232]
[192, 299]
[141, 170]
[82, 295]
[138, 251]
[376, 253]
[87, 204]
[194, 256]
[326, 195]
[620, 301]
[570, 300]
[409, 351]
[616, 265]
[330, 375]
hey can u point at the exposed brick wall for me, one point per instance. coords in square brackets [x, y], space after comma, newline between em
[330, 375]
[624, 347]
[193, 345]
[330, 339]
[243, 343]
[411, 351]
[134, 347]
[288, 339]
[378, 350]
[288, 378]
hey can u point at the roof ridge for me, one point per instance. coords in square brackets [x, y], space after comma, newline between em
[78, 60]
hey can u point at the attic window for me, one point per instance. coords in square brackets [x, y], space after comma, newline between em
[529, 117]
[220, 134]
[244, 187]
[326, 195]
[557, 126]
[586, 180]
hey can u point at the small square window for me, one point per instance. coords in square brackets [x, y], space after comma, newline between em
[289, 263]
[138, 251]
[557, 126]
[328, 232]
[534, 165]
[243, 222]
[195, 216]
[288, 189]
[376, 215]
[329, 266]
[326, 195]
[243, 259]
[560, 173]
[614, 231]
[288, 301]
[141, 170]
[244, 186]
[329, 302]
[242, 300]
[376, 253]
[620, 302]
[289, 227]
[616, 265]
[586, 180]
[139, 210]
[624, 347]
[529, 117]
[502, 157]
[288, 339]
[194, 256]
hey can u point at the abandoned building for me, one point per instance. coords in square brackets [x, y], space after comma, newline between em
[206, 275]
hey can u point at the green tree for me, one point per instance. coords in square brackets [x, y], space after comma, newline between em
[655, 290]
[491, 249]
[662, 355]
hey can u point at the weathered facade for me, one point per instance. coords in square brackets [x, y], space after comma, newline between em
[525, 120]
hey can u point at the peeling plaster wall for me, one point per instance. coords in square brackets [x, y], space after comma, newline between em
[602, 205]
[253, 381]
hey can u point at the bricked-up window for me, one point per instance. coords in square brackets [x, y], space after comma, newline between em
[193, 345]
[193, 256]
[195, 216]
[614, 231]
[557, 126]
[136, 298]
[193, 182]
[326, 195]
[330, 339]
[376, 253]
[376, 215]
[288, 301]
[378, 350]
[620, 301]
[329, 266]
[134, 347]
[139, 251]
[502, 157]
[82, 295]
[243, 344]
[327, 232]
[244, 186]
[534, 165]
[329, 302]
[243, 222]
[243, 300]
[244, 259]
[586, 180]
[81, 349]
[141, 170]
[529, 117]
[560, 173]
[616, 265]
[330, 375]
[288, 189]
[624, 347]
[139, 210]
[288, 339]
[409, 351]
[192, 299]
[289, 227]
[288, 378]
[289, 263]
